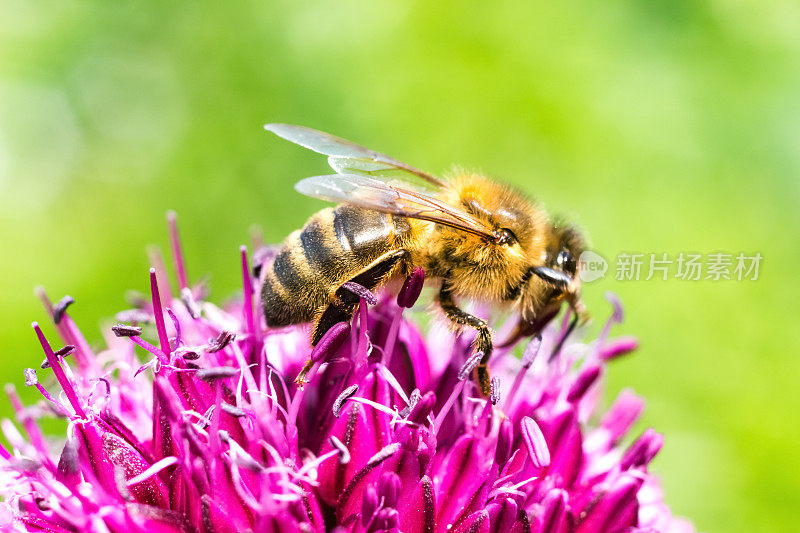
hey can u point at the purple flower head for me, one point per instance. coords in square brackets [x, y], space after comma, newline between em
[190, 421]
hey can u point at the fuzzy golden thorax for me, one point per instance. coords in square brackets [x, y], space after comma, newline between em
[474, 267]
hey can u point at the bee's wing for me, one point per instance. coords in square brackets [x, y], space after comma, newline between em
[370, 193]
[346, 157]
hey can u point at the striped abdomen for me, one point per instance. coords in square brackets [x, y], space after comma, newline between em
[335, 245]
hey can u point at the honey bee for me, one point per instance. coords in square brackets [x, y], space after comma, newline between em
[476, 238]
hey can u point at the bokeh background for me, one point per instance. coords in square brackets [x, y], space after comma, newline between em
[658, 126]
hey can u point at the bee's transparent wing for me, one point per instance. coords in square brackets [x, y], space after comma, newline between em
[379, 195]
[346, 157]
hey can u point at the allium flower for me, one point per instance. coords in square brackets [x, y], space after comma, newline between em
[208, 432]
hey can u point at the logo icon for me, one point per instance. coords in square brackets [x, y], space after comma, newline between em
[591, 266]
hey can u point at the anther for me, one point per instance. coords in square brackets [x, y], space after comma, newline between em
[469, 366]
[218, 372]
[222, 340]
[494, 394]
[61, 308]
[360, 291]
[122, 330]
[31, 379]
[189, 302]
[346, 394]
[63, 352]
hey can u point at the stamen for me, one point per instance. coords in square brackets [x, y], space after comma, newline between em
[215, 373]
[617, 316]
[137, 316]
[66, 385]
[31, 380]
[190, 303]
[535, 443]
[61, 308]
[177, 252]
[437, 423]
[361, 291]
[528, 356]
[63, 352]
[363, 346]
[122, 330]
[383, 454]
[233, 410]
[342, 398]
[222, 340]
[30, 377]
[375, 405]
[344, 453]
[494, 394]
[469, 366]
[531, 351]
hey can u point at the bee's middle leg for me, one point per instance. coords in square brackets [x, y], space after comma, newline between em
[483, 342]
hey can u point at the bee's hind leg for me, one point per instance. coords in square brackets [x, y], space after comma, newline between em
[483, 342]
[344, 302]
[337, 311]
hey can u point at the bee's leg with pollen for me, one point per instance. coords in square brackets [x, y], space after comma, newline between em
[483, 343]
[344, 302]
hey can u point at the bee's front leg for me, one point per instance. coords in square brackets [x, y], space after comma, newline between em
[483, 342]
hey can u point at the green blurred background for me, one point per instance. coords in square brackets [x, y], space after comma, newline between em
[659, 126]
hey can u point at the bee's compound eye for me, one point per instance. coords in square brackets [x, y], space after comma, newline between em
[504, 236]
[566, 262]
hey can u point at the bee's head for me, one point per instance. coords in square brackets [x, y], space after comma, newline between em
[552, 282]
[565, 247]
[560, 270]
